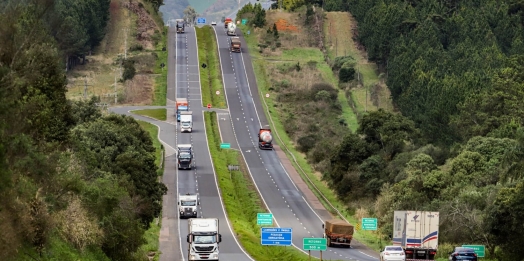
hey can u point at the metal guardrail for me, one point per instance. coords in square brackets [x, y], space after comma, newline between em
[298, 165]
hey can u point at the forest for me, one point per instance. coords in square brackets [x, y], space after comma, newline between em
[455, 141]
[69, 175]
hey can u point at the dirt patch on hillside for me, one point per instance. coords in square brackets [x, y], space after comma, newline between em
[283, 25]
[145, 25]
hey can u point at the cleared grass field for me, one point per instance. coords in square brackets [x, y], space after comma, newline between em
[211, 76]
[241, 199]
[159, 114]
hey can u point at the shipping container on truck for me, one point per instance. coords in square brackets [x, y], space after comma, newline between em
[235, 44]
[227, 21]
[181, 105]
[417, 233]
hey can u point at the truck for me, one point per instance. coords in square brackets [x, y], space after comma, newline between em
[231, 29]
[227, 21]
[185, 156]
[180, 26]
[265, 139]
[203, 239]
[186, 121]
[338, 232]
[181, 105]
[187, 205]
[235, 44]
[417, 233]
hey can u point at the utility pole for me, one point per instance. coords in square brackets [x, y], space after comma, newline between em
[125, 42]
[115, 90]
[85, 87]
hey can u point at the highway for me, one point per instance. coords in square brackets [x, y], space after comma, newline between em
[280, 194]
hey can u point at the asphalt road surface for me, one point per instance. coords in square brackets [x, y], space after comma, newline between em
[287, 203]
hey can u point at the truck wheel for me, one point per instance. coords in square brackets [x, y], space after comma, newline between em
[329, 242]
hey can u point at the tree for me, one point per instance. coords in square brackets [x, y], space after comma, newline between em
[190, 15]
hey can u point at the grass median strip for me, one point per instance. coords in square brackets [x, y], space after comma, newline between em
[241, 199]
[210, 76]
[159, 114]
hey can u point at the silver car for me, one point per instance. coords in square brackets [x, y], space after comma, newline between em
[392, 253]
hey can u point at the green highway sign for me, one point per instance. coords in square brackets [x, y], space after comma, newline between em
[244, 21]
[225, 145]
[264, 219]
[480, 250]
[318, 244]
[369, 224]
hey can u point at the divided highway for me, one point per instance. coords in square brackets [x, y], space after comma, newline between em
[201, 179]
[283, 198]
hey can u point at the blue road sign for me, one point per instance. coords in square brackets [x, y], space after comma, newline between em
[276, 236]
[201, 20]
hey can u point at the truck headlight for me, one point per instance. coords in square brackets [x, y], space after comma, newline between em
[192, 257]
[214, 256]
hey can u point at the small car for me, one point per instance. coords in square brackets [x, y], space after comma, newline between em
[463, 253]
[395, 253]
[213, 23]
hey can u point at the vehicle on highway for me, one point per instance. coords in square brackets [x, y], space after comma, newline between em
[338, 232]
[186, 121]
[180, 26]
[265, 139]
[463, 253]
[185, 156]
[235, 44]
[203, 239]
[213, 23]
[227, 21]
[181, 105]
[231, 29]
[417, 233]
[392, 253]
[188, 205]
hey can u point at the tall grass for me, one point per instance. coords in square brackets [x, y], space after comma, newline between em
[160, 90]
[241, 199]
[159, 114]
[211, 76]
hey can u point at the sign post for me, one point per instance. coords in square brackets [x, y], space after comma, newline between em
[276, 236]
[318, 244]
[264, 219]
[369, 224]
[480, 250]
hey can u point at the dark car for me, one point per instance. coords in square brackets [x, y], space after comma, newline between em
[463, 253]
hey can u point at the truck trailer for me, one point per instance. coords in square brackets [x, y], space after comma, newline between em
[203, 239]
[231, 29]
[417, 233]
[185, 156]
[187, 205]
[186, 121]
[227, 21]
[180, 26]
[235, 44]
[265, 139]
[338, 232]
[181, 105]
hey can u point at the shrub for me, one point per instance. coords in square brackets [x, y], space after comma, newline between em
[129, 70]
[346, 74]
[317, 87]
[136, 47]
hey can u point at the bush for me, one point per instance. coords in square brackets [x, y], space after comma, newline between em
[343, 61]
[317, 87]
[129, 70]
[306, 143]
[136, 47]
[346, 74]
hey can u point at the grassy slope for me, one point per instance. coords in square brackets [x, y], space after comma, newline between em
[241, 200]
[59, 249]
[160, 89]
[211, 76]
[308, 174]
[159, 114]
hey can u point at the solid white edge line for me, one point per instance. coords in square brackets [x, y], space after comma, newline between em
[219, 193]
[249, 170]
[249, 87]
[198, 66]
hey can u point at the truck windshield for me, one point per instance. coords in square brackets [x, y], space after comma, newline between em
[204, 239]
[188, 203]
[185, 155]
[185, 124]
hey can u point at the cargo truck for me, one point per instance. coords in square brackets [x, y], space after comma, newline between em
[227, 21]
[235, 44]
[232, 29]
[185, 156]
[417, 233]
[181, 105]
[203, 239]
[186, 121]
[338, 232]
[187, 205]
[265, 139]
[180, 26]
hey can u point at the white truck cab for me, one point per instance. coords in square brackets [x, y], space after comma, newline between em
[203, 239]
[187, 205]
[186, 121]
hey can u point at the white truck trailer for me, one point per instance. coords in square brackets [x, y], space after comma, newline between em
[203, 239]
[186, 121]
[417, 233]
[187, 205]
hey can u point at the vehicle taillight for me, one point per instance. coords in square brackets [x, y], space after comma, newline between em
[475, 254]
[401, 253]
[409, 252]
[432, 253]
[386, 253]
[456, 254]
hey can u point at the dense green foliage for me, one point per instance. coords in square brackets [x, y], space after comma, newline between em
[255, 14]
[69, 176]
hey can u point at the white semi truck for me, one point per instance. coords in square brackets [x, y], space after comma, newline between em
[186, 121]
[187, 205]
[203, 239]
[417, 233]
[231, 29]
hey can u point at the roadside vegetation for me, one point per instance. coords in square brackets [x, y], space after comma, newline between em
[75, 184]
[460, 112]
[159, 114]
[210, 75]
[241, 200]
